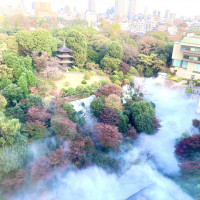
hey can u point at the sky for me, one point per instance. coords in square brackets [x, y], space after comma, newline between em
[188, 8]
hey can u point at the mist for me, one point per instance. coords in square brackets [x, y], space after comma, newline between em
[148, 165]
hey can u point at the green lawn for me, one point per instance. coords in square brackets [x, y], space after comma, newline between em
[75, 79]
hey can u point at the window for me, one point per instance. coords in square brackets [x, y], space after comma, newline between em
[177, 63]
[197, 67]
[185, 64]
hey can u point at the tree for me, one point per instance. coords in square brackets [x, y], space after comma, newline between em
[132, 133]
[22, 83]
[108, 89]
[6, 71]
[188, 148]
[16, 112]
[58, 158]
[115, 50]
[110, 63]
[70, 111]
[13, 157]
[130, 54]
[149, 44]
[123, 123]
[143, 115]
[64, 127]
[9, 129]
[3, 102]
[196, 123]
[40, 169]
[108, 136]
[5, 81]
[35, 130]
[31, 78]
[125, 68]
[13, 94]
[109, 116]
[38, 113]
[96, 106]
[77, 42]
[34, 100]
[114, 102]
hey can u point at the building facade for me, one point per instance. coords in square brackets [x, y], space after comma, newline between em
[43, 9]
[91, 5]
[186, 58]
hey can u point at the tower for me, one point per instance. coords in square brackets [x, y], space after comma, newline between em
[91, 5]
[132, 8]
[121, 8]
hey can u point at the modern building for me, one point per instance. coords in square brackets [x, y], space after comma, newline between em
[91, 5]
[132, 8]
[125, 8]
[186, 58]
[91, 17]
[43, 9]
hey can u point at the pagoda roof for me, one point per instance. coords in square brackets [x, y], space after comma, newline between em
[64, 56]
[64, 50]
[65, 62]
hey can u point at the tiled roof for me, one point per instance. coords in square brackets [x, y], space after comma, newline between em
[191, 40]
[64, 50]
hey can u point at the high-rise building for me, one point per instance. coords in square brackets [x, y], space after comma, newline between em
[167, 14]
[132, 8]
[43, 9]
[125, 8]
[91, 5]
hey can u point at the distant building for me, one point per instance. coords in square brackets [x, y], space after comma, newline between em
[167, 14]
[194, 27]
[43, 9]
[91, 17]
[186, 58]
[132, 8]
[125, 8]
[172, 30]
[91, 5]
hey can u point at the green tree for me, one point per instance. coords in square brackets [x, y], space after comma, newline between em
[77, 42]
[96, 106]
[31, 78]
[13, 94]
[115, 50]
[22, 83]
[5, 81]
[110, 63]
[34, 100]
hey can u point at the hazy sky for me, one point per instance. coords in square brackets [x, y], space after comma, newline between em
[188, 8]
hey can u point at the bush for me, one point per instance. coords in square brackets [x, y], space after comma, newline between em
[196, 123]
[67, 84]
[100, 72]
[87, 76]
[117, 82]
[84, 82]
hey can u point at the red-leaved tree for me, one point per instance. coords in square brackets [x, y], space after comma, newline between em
[188, 148]
[106, 90]
[125, 68]
[132, 133]
[109, 116]
[188, 167]
[108, 136]
[38, 113]
[196, 123]
[40, 169]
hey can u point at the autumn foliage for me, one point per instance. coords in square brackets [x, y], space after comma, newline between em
[125, 68]
[132, 133]
[38, 113]
[109, 116]
[108, 136]
[196, 123]
[106, 90]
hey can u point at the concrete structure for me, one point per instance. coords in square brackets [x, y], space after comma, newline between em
[91, 5]
[186, 58]
[43, 9]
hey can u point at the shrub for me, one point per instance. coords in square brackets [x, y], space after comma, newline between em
[117, 82]
[100, 72]
[196, 123]
[87, 76]
[124, 68]
[132, 133]
[84, 82]
[67, 84]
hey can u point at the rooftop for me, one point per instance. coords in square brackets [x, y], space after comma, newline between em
[193, 40]
[64, 50]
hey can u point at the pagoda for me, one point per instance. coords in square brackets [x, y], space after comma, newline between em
[64, 56]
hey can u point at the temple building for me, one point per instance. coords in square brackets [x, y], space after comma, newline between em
[64, 56]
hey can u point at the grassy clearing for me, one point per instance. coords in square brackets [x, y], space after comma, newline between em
[75, 79]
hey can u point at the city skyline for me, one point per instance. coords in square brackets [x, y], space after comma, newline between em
[180, 7]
